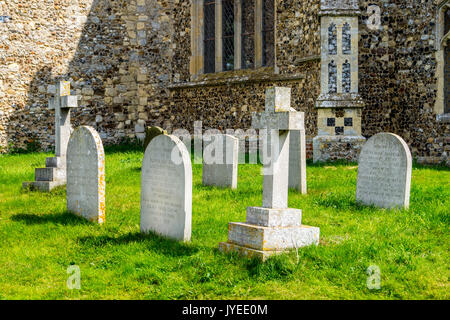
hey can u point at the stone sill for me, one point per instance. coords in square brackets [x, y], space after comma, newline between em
[238, 77]
[443, 118]
[340, 12]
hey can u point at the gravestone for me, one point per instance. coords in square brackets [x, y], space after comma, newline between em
[274, 227]
[150, 133]
[297, 161]
[54, 173]
[384, 172]
[86, 175]
[220, 161]
[166, 189]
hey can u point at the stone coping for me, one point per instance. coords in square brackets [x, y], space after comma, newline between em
[234, 80]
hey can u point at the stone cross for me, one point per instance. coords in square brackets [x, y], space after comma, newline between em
[62, 102]
[274, 227]
[54, 173]
[277, 119]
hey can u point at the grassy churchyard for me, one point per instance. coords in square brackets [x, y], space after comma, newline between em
[39, 240]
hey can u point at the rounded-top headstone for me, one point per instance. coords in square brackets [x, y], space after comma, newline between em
[86, 174]
[384, 172]
[152, 132]
[166, 189]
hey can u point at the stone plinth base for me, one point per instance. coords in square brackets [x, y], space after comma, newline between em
[269, 231]
[45, 186]
[50, 177]
[332, 148]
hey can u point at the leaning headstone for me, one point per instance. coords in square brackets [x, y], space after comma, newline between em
[86, 175]
[273, 228]
[166, 189]
[297, 161]
[150, 133]
[384, 172]
[54, 173]
[220, 161]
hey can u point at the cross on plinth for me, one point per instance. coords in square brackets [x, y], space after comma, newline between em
[277, 120]
[54, 173]
[274, 227]
[62, 102]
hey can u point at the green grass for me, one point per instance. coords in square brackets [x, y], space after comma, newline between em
[39, 240]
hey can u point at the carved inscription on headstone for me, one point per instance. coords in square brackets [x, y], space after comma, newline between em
[384, 172]
[86, 175]
[166, 189]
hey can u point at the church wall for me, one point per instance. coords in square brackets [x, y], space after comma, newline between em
[128, 61]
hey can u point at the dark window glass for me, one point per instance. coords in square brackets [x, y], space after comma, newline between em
[248, 34]
[209, 36]
[447, 21]
[346, 39]
[332, 77]
[228, 34]
[346, 77]
[332, 39]
[268, 35]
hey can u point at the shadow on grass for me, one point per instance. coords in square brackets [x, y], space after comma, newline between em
[152, 241]
[339, 202]
[66, 218]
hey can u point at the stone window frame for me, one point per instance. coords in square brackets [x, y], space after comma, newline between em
[197, 44]
[339, 56]
[441, 42]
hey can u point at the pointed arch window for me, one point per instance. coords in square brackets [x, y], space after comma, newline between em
[332, 39]
[346, 77]
[332, 77]
[346, 39]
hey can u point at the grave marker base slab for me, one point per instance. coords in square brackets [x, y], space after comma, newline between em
[45, 186]
[269, 231]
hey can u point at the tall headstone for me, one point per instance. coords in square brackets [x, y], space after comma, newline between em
[220, 161]
[86, 175]
[150, 133]
[273, 227]
[166, 189]
[384, 172]
[297, 161]
[54, 173]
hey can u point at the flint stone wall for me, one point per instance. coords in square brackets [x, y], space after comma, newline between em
[128, 62]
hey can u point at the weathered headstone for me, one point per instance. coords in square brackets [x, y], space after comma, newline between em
[273, 227]
[166, 189]
[297, 161]
[150, 133]
[54, 173]
[86, 175]
[384, 172]
[220, 161]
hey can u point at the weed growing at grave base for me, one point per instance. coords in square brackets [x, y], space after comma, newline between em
[39, 240]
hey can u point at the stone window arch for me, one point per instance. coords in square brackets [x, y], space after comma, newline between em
[442, 106]
[231, 35]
